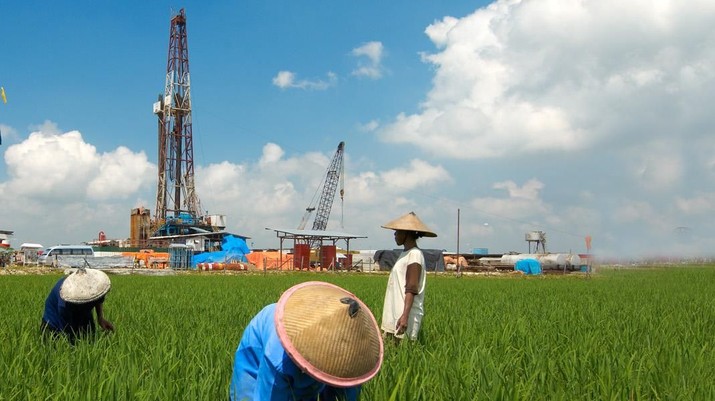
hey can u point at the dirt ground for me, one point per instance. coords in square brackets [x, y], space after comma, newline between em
[22, 270]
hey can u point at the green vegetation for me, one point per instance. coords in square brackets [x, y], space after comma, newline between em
[638, 334]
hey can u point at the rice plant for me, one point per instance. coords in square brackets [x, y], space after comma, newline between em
[641, 334]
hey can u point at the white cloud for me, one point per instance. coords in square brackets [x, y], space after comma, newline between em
[287, 79]
[419, 173]
[657, 166]
[59, 186]
[524, 77]
[7, 134]
[121, 174]
[529, 191]
[369, 56]
[370, 126]
[53, 165]
[700, 204]
[271, 153]
[522, 202]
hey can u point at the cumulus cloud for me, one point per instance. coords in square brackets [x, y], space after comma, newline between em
[58, 181]
[7, 134]
[271, 153]
[121, 174]
[369, 56]
[287, 80]
[370, 126]
[521, 201]
[417, 173]
[277, 190]
[604, 103]
[529, 191]
[533, 77]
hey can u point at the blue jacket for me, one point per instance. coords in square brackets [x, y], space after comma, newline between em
[263, 371]
[67, 317]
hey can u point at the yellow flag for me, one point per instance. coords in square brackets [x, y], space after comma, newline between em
[2, 94]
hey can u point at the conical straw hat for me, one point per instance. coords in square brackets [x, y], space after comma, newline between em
[329, 333]
[410, 222]
[85, 285]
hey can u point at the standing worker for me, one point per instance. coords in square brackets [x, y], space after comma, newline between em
[319, 342]
[404, 298]
[68, 307]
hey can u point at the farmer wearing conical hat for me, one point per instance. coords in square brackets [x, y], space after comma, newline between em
[404, 298]
[318, 342]
[68, 307]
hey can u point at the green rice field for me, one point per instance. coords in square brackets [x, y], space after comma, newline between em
[629, 334]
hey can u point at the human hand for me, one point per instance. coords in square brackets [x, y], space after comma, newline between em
[401, 325]
[106, 325]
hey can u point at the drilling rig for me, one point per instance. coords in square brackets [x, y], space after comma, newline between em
[333, 176]
[178, 209]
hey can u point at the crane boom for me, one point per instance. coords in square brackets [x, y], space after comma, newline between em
[331, 183]
[332, 178]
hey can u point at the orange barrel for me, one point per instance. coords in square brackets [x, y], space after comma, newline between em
[301, 256]
[328, 257]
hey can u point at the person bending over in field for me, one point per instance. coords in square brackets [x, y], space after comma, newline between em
[68, 307]
[404, 298]
[319, 342]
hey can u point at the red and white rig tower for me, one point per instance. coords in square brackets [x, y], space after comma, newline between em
[176, 198]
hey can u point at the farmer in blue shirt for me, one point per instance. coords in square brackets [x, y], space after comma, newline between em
[68, 307]
[319, 340]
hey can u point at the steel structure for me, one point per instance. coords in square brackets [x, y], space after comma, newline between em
[176, 196]
[332, 178]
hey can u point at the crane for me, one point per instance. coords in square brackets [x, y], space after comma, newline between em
[333, 176]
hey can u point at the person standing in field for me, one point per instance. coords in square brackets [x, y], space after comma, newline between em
[319, 342]
[68, 307]
[404, 298]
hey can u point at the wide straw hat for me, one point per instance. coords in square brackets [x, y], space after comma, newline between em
[329, 333]
[85, 285]
[410, 222]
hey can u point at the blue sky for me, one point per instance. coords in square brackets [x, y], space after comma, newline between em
[566, 117]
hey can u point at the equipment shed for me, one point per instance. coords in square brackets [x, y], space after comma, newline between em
[309, 238]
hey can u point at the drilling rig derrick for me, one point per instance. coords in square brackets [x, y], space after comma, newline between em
[177, 205]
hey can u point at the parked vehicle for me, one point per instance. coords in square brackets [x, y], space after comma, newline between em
[54, 254]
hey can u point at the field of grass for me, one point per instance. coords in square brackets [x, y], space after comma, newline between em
[637, 334]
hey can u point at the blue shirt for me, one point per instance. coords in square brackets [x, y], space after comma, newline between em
[65, 316]
[263, 371]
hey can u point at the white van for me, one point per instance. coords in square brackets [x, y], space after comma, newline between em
[59, 252]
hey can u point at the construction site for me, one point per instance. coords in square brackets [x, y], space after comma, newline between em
[181, 234]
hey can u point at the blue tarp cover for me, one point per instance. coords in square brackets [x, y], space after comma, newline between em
[528, 266]
[233, 249]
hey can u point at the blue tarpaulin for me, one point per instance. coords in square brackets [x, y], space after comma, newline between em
[528, 266]
[233, 249]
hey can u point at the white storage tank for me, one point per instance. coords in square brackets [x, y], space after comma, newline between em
[512, 259]
[553, 260]
[574, 260]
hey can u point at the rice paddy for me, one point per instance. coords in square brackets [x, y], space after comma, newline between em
[636, 334]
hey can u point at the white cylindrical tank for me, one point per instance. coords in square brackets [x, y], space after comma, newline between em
[512, 259]
[553, 260]
[573, 259]
[489, 261]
